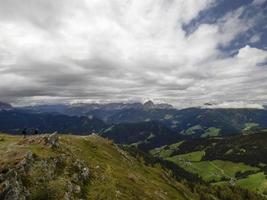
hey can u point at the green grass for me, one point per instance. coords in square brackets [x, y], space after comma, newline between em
[114, 173]
[167, 116]
[211, 132]
[256, 182]
[249, 126]
[193, 156]
[175, 145]
[192, 130]
[210, 170]
[217, 170]
[165, 151]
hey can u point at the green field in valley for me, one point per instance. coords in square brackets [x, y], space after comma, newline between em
[218, 172]
[255, 182]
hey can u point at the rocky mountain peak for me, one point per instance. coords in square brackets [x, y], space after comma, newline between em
[4, 105]
[149, 104]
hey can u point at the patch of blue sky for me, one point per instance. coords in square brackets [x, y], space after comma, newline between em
[211, 15]
[255, 36]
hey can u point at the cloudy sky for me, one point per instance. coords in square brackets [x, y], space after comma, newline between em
[184, 52]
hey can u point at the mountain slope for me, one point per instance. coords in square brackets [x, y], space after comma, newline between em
[5, 106]
[196, 122]
[191, 122]
[76, 167]
[13, 121]
[250, 149]
[144, 135]
[235, 160]
[80, 167]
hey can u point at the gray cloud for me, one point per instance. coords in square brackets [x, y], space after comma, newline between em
[104, 50]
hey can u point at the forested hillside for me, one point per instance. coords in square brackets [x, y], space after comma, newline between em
[90, 167]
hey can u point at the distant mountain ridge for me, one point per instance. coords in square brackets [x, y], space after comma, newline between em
[4, 105]
[86, 118]
[144, 135]
[14, 121]
[193, 121]
[83, 108]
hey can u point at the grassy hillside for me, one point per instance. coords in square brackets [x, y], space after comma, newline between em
[237, 160]
[54, 172]
[90, 167]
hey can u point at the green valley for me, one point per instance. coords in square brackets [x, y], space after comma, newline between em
[236, 160]
[90, 167]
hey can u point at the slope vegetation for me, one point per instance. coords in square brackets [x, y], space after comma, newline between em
[236, 160]
[90, 167]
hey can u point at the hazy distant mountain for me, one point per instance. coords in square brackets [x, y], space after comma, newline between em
[145, 135]
[197, 122]
[190, 122]
[135, 120]
[151, 105]
[4, 105]
[84, 108]
[13, 121]
[152, 128]
[53, 108]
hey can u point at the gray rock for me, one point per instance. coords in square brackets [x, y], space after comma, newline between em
[77, 189]
[13, 187]
[82, 170]
[52, 140]
[85, 174]
[25, 164]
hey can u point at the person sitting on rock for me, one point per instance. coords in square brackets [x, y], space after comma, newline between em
[35, 132]
[24, 132]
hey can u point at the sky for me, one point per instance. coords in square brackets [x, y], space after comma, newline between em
[182, 52]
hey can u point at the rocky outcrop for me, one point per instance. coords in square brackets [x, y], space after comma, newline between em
[81, 171]
[45, 173]
[4, 106]
[52, 140]
[11, 183]
[12, 186]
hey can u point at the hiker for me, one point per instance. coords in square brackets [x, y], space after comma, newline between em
[35, 132]
[24, 132]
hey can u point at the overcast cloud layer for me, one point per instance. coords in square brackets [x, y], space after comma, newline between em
[120, 50]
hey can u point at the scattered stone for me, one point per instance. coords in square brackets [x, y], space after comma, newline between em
[52, 140]
[85, 174]
[24, 165]
[75, 177]
[12, 188]
[77, 189]
[81, 170]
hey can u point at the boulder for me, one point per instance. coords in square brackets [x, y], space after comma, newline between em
[52, 140]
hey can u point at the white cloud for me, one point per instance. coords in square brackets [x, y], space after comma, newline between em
[235, 105]
[255, 38]
[258, 2]
[121, 50]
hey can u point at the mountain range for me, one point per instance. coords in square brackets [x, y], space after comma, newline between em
[123, 117]
[163, 152]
